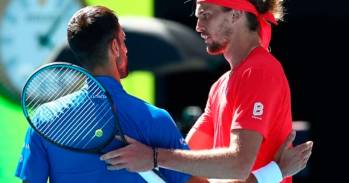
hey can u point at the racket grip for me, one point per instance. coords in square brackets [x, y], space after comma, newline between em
[151, 176]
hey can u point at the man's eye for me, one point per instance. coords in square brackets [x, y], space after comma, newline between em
[205, 15]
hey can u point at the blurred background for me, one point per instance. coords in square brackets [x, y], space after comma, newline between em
[170, 68]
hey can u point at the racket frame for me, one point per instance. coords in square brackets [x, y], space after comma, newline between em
[88, 75]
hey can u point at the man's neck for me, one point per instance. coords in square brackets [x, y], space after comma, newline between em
[240, 47]
[106, 71]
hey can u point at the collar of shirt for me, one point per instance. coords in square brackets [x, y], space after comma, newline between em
[110, 83]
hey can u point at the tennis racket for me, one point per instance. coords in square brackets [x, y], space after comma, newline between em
[67, 106]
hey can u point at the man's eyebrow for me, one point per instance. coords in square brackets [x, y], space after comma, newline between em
[199, 12]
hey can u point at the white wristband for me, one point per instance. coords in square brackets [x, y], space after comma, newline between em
[270, 173]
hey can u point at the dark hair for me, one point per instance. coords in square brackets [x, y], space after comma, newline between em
[263, 6]
[90, 31]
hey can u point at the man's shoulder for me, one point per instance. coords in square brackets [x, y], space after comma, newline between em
[144, 113]
[141, 105]
[157, 112]
[263, 60]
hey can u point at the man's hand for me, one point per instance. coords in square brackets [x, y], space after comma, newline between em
[292, 160]
[135, 157]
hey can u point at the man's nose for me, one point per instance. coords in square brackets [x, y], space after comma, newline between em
[199, 27]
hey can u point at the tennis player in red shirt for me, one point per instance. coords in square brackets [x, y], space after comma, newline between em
[248, 113]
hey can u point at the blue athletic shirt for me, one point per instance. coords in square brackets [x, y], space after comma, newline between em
[144, 122]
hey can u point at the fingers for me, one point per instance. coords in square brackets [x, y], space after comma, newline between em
[118, 137]
[306, 158]
[306, 151]
[116, 167]
[310, 143]
[285, 145]
[114, 161]
[116, 153]
[128, 139]
[304, 147]
[307, 154]
[290, 139]
[110, 155]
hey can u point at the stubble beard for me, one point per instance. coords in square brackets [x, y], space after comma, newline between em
[216, 48]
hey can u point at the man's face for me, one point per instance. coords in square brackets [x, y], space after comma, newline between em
[122, 61]
[214, 25]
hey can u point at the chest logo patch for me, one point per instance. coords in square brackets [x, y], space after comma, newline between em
[258, 109]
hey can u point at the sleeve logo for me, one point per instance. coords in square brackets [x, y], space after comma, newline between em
[182, 141]
[258, 109]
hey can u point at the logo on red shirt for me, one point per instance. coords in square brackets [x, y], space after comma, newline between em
[257, 110]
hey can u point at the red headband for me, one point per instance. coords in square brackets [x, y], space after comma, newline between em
[245, 5]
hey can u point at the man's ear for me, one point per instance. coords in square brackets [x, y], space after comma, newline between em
[115, 47]
[235, 15]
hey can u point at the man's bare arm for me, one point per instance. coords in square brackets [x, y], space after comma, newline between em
[234, 162]
[229, 163]
[291, 160]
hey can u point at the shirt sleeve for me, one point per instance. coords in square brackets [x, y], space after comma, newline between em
[165, 134]
[33, 164]
[255, 100]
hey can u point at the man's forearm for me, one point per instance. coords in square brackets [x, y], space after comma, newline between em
[251, 179]
[219, 163]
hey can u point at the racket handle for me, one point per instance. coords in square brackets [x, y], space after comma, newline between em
[151, 176]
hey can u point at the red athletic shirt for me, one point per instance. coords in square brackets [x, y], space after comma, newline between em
[255, 96]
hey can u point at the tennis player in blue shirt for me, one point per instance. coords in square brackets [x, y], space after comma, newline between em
[97, 39]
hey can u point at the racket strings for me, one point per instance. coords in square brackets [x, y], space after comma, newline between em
[74, 125]
[93, 137]
[67, 115]
[50, 90]
[70, 117]
[43, 78]
[37, 87]
[75, 128]
[44, 127]
[82, 128]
